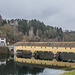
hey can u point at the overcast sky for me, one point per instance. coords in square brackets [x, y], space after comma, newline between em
[59, 13]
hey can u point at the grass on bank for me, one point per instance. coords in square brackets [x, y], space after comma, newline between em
[69, 73]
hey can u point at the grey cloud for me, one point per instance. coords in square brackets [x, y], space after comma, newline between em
[48, 12]
[59, 13]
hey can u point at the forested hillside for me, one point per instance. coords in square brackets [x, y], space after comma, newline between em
[33, 30]
[39, 29]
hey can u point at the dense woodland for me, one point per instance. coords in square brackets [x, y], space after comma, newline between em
[33, 30]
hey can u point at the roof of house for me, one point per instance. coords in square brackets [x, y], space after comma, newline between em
[51, 44]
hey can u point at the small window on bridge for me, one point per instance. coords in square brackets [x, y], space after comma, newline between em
[45, 47]
[70, 48]
[65, 47]
[52, 47]
[41, 47]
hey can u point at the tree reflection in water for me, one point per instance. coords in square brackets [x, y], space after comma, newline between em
[16, 68]
[12, 68]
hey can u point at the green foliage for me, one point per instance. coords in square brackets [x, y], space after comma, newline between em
[69, 36]
[4, 22]
[37, 25]
[18, 37]
[23, 26]
[39, 29]
[8, 32]
[69, 73]
[43, 30]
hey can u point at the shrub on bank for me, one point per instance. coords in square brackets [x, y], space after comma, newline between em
[4, 50]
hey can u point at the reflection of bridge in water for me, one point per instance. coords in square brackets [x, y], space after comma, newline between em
[44, 62]
[63, 52]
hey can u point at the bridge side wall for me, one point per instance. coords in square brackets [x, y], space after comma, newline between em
[42, 48]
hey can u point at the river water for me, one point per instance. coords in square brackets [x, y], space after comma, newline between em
[9, 67]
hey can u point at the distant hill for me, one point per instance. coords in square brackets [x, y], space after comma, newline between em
[33, 30]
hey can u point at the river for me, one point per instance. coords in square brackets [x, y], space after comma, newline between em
[9, 67]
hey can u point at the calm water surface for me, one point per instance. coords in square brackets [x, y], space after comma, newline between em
[9, 67]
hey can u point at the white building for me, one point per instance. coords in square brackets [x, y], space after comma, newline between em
[2, 41]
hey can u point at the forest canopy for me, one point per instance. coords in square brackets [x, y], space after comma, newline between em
[33, 30]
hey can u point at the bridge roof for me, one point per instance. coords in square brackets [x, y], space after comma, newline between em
[52, 44]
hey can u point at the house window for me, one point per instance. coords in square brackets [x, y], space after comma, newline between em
[2, 38]
[2, 41]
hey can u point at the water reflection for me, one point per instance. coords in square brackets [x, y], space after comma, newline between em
[10, 67]
[47, 63]
[28, 69]
[3, 63]
[47, 55]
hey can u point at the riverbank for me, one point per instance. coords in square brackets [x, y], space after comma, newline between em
[4, 50]
[69, 73]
